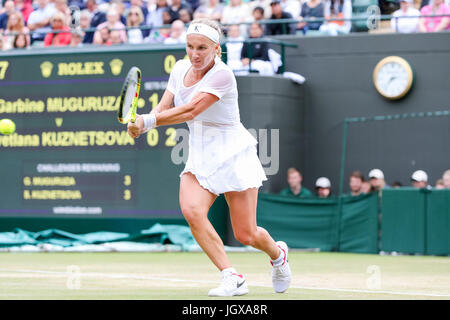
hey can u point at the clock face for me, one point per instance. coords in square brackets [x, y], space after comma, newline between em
[393, 77]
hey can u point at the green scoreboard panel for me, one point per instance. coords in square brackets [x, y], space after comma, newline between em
[69, 155]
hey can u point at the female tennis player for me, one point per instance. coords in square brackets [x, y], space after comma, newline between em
[202, 92]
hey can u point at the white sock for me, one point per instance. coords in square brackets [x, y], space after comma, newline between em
[228, 270]
[279, 261]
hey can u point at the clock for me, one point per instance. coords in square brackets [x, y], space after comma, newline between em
[393, 77]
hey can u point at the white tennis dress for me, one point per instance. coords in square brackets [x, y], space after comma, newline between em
[222, 153]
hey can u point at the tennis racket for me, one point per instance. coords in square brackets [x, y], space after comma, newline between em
[129, 96]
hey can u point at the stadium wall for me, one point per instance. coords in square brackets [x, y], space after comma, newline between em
[339, 84]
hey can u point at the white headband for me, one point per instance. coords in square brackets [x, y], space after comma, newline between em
[204, 30]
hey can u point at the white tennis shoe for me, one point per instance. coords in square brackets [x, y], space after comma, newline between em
[281, 273]
[233, 284]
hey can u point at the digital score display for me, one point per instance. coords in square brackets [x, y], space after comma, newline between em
[69, 155]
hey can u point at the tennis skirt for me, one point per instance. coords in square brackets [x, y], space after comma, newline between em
[225, 161]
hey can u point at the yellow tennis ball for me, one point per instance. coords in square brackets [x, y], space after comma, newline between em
[7, 126]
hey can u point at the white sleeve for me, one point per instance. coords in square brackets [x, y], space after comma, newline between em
[219, 83]
[174, 76]
[171, 84]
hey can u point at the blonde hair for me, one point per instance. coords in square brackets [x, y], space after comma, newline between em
[213, 24]
[139, 12]
[17, 27]
[59, 16]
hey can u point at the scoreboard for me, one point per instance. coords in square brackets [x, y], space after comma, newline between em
[69, 155]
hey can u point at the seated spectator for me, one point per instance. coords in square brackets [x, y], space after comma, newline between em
[258, 15]
[337, 9]
[401, 22]
[212, 10]
[434, 24]
[97, 17]
[140, 4]
[323, 187]
[21, 41]
[419, 179]
[185, 16]
[311, 9]
[16, 24]
[294, 180]
[366, 187]
[237, 12]
[177, 33]
[356, 182]
[58, 23]
[160, 34]
[234, 48]
[273, 29]
[440, 184]
[446, 179]
[77, 38]
[155, 11]
[120, 7]
[112, 23]
[103, 36]
[135, 18]
[85, 23]
[8, 9]
[61, 6]
[265, 5]
[175, 8]
[25, 8]
[259, 59]
[376, 179]
[396, 184]
[39, 20]
[115, 37]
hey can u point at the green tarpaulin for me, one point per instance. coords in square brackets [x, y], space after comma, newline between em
[416, 221]
[162, 234]
[317, 223]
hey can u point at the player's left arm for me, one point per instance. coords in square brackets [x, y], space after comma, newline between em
[186, 112]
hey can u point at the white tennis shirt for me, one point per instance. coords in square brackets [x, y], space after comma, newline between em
[216, 134]
[219, 81]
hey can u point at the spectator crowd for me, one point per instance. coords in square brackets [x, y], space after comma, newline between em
[109, 22]
[358, 184]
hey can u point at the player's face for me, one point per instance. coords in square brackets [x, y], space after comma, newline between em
[419, 184]
[355, 184]
[294, 179]
[200, 50]
[323, 192]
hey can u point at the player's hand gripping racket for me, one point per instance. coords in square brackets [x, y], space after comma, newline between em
[129, 96]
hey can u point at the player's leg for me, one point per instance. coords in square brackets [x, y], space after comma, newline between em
[243, 219]
[195, 202]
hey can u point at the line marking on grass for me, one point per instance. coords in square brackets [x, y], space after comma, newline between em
[149, 277]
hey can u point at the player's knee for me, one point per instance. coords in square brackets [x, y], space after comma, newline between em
[192, 215]
[245, 237]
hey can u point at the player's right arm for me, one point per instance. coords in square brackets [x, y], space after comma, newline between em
[137, 128]
[167, 102]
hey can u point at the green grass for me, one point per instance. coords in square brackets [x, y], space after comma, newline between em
[190, 276]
